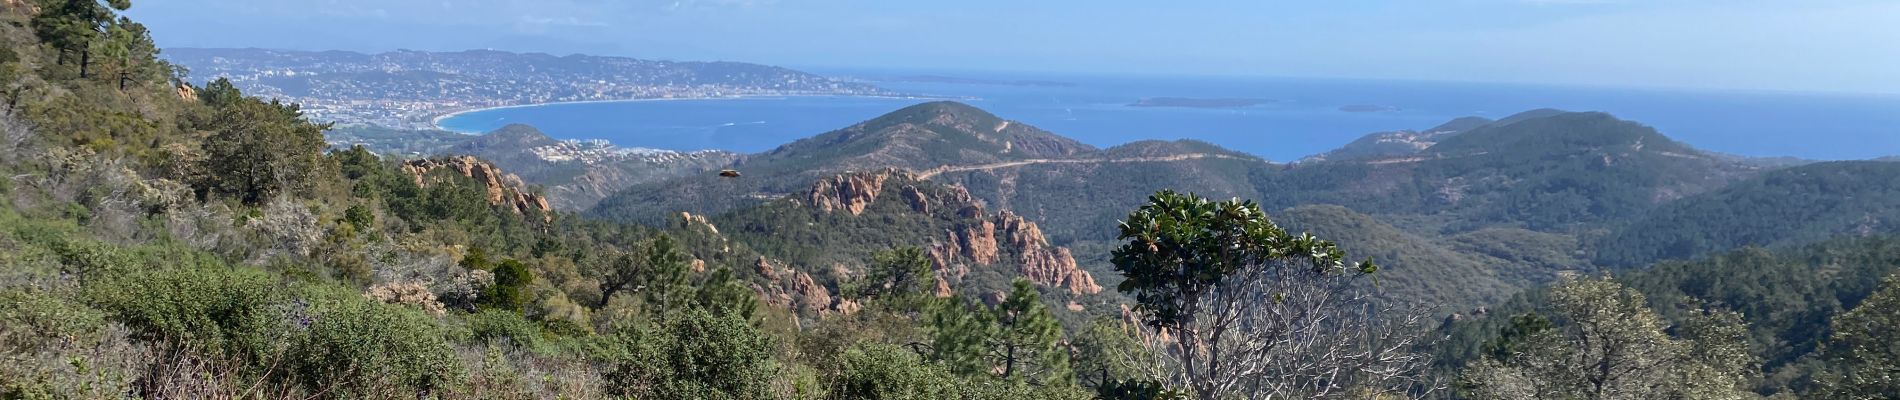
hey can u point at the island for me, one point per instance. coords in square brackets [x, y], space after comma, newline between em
[980, 81]
[1368, 108]
[1191, 102]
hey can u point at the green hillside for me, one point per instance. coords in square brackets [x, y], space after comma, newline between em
[1564, 172]
[1792, 206]
[1787, 295]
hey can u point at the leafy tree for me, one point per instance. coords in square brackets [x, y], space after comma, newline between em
[1110, 357]
[1863, 358]
[510, 291]
[1233, 289]
[73, 26]
[257, 150]
[1025, 344]
[129, 47]
[901, 277]
[1512, 338]
[1610, 345]
[656, 271]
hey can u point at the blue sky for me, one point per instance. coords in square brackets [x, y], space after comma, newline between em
[1804, 45]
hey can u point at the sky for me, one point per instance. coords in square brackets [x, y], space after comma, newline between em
[1780, 45]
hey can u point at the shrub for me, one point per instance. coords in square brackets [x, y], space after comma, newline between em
[489, 325]
[352, 347]
[231, 313]
[696, 354]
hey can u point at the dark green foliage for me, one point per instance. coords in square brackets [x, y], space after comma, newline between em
[1787, 296]
[1180, 247]
[695, 354]
[1862, 356]
[900, 276]
[890, 372]
[655, 272]
[1025, 341]
[510, 289]
[1511, 339]
[350, 347]
[258, 150]
[508, 325]
[359, 217]
[1792, 206]
[230, 313]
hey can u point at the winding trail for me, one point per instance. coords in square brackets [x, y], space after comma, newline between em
[927, 174]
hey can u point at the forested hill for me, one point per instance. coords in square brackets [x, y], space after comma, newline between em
[1791, 206]
[916, 138]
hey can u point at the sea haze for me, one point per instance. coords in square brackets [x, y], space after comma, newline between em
[1301, 118]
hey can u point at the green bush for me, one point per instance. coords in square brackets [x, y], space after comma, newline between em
[510, 291]
[489, 325]
[229, 312]
[695, 354]
[350, 346]
[30, 320]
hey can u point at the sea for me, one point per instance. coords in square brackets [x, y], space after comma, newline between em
[1296, 117]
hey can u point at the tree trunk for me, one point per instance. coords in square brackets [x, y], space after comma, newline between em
[85, 60]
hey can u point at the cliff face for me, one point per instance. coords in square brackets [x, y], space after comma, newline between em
[973, 238]
[503, 189]
[797, 291]
[848, 193]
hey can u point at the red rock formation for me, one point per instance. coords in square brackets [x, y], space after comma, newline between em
[979, 242]
[503, 189]
[797, 291]
[850, 192]
[918, 202]
[689, 220]
[1042, 263]
[985, 241]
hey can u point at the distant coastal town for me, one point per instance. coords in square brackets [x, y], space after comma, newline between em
[415, 89]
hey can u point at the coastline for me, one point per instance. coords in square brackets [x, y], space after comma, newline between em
[436, 120]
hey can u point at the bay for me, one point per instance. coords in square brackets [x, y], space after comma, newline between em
[1304, 116]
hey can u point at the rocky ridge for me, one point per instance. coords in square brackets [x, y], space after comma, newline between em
[503, 189]
[977, 238]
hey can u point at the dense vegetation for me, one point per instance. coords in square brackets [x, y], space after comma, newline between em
[1797, 205]
[1786, 296]
[160, 239]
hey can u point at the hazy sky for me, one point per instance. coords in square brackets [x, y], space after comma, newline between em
[1811, 45]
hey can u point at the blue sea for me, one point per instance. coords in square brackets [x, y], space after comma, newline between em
[1305, 116]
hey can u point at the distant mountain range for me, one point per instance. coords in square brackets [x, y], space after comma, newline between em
[406, 88]
[1463, 214]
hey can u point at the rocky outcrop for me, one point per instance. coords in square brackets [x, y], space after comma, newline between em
[503, 189]
[850, 192]
[689, 220]
[986, 242]
[917, 201]
[1042, 263]
[185, 92]
[972, 239]
[797, 291]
